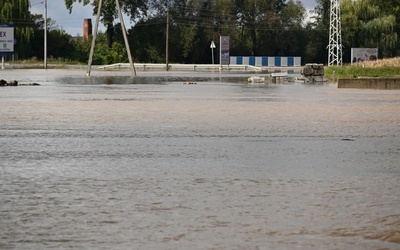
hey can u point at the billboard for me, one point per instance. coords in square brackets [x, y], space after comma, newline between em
[363, 54]
[224, 50]
[6, 39]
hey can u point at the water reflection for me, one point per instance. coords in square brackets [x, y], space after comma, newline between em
[157, 79]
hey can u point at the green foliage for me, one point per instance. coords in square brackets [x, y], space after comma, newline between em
[271, 27]
[359, 71]
[102, 55]
[17, 12]
[147, 40]
[69, 3]
[59, 43]
[109, 12]
[255, 27]
[365, 25]
[81, 50]
[118, 53]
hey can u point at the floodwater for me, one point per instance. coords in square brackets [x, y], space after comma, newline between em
[116, 162]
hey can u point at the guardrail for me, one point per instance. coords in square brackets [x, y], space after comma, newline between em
[182, 67]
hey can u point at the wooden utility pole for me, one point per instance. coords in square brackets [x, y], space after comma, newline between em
[128, 50]
[166, 40]
[45, 35]
[123, 32]
[94, 38]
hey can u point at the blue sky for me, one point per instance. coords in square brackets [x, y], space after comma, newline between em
[73, 23]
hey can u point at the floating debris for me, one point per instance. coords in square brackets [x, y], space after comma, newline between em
[282, 77]
[10, 83]
[13, 83]
[256, 79]
[312, 73]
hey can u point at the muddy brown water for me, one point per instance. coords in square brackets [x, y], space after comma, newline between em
[116, 162]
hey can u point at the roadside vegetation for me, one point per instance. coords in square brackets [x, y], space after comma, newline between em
[379, 68]
[255, 28]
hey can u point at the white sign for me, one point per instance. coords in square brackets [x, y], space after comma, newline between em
[363, 54]
[212, 46]
[6, 39]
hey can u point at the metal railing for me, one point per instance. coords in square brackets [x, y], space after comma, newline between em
[183, 67]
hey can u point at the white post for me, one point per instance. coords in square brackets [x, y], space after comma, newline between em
[45, 34]
[167, 41]
[212, 51]
[2, 62]
[96, 27]
[212, 46]
[128, 50]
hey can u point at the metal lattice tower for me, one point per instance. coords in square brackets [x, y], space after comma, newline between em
[335, 35]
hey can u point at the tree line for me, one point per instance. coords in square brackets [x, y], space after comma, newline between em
[255, 27]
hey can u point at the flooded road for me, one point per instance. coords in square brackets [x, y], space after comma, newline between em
[115, 162]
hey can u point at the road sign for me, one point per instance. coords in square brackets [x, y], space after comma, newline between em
[6, 39]
[224, 50]
[212, 46]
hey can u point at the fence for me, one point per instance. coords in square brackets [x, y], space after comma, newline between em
[266, 61]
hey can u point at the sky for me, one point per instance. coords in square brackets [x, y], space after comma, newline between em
[73, 23]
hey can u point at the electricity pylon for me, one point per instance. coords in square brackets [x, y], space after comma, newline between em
[335, 35]
[128, 50]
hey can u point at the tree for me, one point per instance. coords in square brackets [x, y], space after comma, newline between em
[317, 33]
[288, 33]
[147, 39]
[108, 14]
[58, 41]
[366, 25]
[272, 27]
[254, 15]
[189, 32]
[255, 27]
[391, 7]
[17, 12]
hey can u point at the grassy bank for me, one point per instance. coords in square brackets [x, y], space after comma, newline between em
[380, 68]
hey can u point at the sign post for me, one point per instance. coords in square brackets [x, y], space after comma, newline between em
[224, 50]
[45, 34]
[6, 41]
[212, 46]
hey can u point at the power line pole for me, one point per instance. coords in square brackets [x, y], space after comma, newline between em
[128, 50]
[96, 27]
[166, 40]
[335, 35]
[95, 35]
[45, 34]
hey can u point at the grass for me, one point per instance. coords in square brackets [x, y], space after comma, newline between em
[49, 61]
[379, 68]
